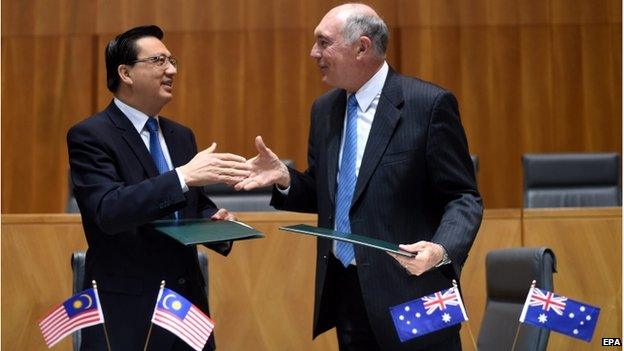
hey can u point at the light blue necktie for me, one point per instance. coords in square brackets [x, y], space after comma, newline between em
[346, 182]
[156, 151]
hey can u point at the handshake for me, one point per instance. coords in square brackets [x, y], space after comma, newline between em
[208, 167]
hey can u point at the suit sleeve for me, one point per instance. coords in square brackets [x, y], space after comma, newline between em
[453, 181]
[104, 197]
[302, 196]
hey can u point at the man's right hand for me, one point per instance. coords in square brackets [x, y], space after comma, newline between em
[266, 170]
[208, 167]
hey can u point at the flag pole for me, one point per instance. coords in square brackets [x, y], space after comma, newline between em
[513, 346]
[94, 284]
[149, 332]
[474, 344]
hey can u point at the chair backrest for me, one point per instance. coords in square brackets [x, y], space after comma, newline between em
[71, 206]
[571, 180]
[78, 269]
[78, 272]
[475, 164]
[509, 273]
[242, 201]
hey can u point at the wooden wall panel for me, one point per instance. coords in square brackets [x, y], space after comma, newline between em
[264, 288]
[500, 229]
[44, 18]
[36, 274]
[50, 84]
[588, 247]
[530, 76]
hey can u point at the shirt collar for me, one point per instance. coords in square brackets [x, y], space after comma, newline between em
[136, 117]
[367, 93]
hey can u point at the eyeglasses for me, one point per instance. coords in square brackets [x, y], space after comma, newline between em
[159, 61]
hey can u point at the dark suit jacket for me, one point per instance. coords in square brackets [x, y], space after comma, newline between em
[416, 182]
[119, 191]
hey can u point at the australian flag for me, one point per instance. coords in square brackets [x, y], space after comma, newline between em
[428, 314]
[545, 309]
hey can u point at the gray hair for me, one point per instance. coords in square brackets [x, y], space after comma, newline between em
[373, 27]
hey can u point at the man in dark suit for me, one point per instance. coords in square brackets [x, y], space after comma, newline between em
[129, 167]
[387, 158]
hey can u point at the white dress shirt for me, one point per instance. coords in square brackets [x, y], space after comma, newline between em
[368, 99]
[139, 121]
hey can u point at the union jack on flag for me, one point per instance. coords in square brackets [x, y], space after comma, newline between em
[547, 300]
[441, 300]
[179, 316]
[428, 314]
[548, 310]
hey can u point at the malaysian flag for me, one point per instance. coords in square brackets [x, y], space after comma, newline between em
[428, 314]
[179, 316]
[79, 311]
[545, 309]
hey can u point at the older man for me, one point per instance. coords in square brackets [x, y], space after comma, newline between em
[130, 166]
[387, 158]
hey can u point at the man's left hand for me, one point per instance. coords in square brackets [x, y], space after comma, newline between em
[428, 255]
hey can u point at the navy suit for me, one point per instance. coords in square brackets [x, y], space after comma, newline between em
[119, 191]
[416, 182]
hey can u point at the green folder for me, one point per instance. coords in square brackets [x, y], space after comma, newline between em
[205, 230]
[348, 237]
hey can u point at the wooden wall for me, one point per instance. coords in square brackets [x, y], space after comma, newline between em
[264, 288]
[530, 75]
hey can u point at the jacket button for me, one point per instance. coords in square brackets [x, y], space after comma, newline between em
[182, 281]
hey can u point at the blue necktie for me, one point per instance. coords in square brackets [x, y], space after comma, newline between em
[346, 182]
[156, 151]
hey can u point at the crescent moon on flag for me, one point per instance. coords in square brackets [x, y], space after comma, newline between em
[90, 301]
[165, 300]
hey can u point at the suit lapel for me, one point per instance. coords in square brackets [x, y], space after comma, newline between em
[336, 123]
[133, 138]
[386, 119]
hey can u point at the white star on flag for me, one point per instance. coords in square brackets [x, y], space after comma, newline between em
[542, 318]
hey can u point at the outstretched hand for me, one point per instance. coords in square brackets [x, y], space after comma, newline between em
[266, 170]
[208, 167]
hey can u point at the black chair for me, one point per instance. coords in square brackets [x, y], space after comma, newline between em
[509, 273]
[71, 206]
[571, 180]
[242, 201]
[475, 163]
[78, 269]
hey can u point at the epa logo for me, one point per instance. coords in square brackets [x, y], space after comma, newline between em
[611, 342]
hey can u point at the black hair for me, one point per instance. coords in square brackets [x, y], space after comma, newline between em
[122, 51]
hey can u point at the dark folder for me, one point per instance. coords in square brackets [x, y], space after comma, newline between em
[205, 230]
[348, 237]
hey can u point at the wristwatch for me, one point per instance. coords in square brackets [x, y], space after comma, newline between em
[445, 259]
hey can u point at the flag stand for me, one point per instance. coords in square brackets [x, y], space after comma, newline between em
[149, 332]
[474, 344]
[94, 284]
[513, 346]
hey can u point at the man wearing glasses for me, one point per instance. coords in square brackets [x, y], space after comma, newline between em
[130, 166]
